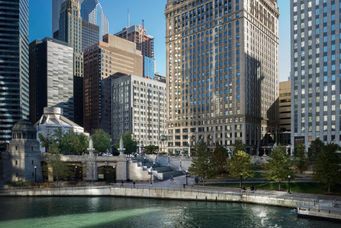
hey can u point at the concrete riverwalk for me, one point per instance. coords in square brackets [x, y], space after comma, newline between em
[200, 193]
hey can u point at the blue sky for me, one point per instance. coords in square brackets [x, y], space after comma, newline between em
[152, 11]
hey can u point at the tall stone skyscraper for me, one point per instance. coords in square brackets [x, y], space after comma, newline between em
[144, 43]
[14, 66]
[315, 71]
[92, 12]
[70, 31]
[222, 71]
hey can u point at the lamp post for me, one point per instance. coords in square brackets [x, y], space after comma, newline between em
[35, 174]
[76, 176]
[289, 177]
[186, 177]
[151, 175]
[241, 180]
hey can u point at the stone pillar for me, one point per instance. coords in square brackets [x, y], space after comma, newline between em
[90, 168]
[121, 170]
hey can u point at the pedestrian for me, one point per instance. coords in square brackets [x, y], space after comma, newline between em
[134, 184]
[122, 183]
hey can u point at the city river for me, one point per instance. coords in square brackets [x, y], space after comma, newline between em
[127, 212]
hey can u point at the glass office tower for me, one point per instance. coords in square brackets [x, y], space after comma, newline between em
[14, 65]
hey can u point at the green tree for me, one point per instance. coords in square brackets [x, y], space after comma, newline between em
[239, 145]
[151, 149]
[53, 159]
[201, 163]
[130, 144]
[315, 149]
[239, 166]
[72, 143]
[327, 166]
[300, 158]
[279, 167]
[101, 140]
[219, 158]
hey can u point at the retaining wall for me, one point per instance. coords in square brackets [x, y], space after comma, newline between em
[176, 194]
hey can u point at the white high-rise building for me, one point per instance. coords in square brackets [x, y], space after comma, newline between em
[315, 71]
[138, 107]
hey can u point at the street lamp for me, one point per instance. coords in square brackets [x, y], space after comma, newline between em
[186, 177]
[241, 180]
[289, 177]
[151, 175]
[76, 176]
[35, 174]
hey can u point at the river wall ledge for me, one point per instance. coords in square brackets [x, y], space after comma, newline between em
[281, 199]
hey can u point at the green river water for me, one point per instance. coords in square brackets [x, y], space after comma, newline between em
[127, 212]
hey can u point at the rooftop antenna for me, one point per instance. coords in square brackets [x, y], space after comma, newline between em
[128, 18]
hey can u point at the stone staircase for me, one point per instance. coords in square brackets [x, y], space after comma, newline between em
[159, 172]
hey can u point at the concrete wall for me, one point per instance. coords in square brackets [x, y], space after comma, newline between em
[179, 194]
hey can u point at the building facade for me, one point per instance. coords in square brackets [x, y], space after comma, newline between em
[70, 31]
[144, 43]
[113, 55]
[92, 12]
[315, 70]
[90, 33]
[284, 113]
[222, 71]
[14, 66]
[51, 77]
[139, 108]
[22, 161]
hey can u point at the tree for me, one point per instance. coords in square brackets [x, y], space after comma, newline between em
[45, 141]
[327, 166]
[53, 158]
[151, 149]
[300, 158]
[315, 149]
[219, 158]
[239, 145]
[130, 144]
[201, 163]
[240, 166]
[101, 140]
[72, 143]
[279, 166]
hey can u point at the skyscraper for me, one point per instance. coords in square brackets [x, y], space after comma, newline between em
[315, 71]
[90, 33]
[113, 55]
[222, 71]
[14, 65]
[70, 31]
[51, 77]
[56, 6]
[92, 12]
[144, 43]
